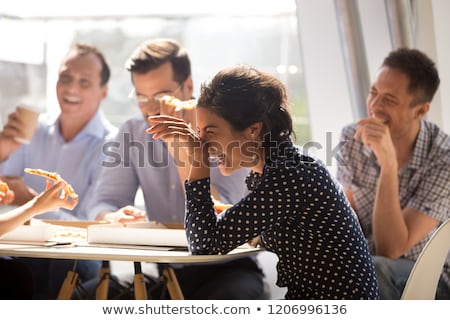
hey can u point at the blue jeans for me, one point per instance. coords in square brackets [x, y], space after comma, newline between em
[392, 277]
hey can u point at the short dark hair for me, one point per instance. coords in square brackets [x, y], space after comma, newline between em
[243, 96]
[151, 54]
[85, 49]
[420, 69]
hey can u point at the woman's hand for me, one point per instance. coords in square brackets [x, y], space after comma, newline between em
[184, 141]
[51, 199]
[178, 134]
[171, 106]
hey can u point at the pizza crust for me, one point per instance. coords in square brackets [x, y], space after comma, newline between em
[55, 177]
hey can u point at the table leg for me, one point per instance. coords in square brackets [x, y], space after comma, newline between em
[140, 291]
[102, 289]
[69, 284]
[172, 284]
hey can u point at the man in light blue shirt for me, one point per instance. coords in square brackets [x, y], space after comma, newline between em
[70, 145]
[134, 159]
[78, 161]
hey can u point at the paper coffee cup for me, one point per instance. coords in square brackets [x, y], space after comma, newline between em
[30, 118]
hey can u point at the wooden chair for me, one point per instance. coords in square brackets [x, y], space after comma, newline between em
[423, 280]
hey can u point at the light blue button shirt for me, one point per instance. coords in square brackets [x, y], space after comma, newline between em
[77, 161]
[134, 159]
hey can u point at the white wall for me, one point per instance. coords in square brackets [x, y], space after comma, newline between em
[432, 38]
[441, 23]
[326, 84]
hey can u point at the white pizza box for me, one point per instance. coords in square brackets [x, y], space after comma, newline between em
[42, 230]
[137, 233]
[29, 233]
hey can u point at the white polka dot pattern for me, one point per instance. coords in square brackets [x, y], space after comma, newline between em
[302, 216]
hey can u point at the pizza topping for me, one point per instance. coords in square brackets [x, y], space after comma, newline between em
[4, 187]
[55, 177]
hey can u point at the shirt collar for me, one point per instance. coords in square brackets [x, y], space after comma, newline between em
[97, 126]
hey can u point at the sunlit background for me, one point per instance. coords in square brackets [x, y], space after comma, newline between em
[299, 41]
[35, 35]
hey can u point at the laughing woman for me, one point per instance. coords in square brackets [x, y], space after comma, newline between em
[294, 204]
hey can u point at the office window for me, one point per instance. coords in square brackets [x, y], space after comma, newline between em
[267, 40]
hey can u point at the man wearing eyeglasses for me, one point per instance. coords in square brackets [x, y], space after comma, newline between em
[162, 68]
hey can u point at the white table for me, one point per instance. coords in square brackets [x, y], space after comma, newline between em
[136, 254]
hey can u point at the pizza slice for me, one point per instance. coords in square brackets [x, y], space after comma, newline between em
[55, 177]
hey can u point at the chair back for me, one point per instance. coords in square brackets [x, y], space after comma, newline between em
[424, 277]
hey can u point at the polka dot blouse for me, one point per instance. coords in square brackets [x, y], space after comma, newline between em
[302, 216]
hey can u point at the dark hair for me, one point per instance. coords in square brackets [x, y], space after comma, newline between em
[243, 96]
[420, 69]
[154, 53]
[82, 49]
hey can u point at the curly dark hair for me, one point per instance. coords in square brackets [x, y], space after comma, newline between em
[243, 96]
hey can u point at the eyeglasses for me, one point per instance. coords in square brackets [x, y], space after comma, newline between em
[141, 99]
